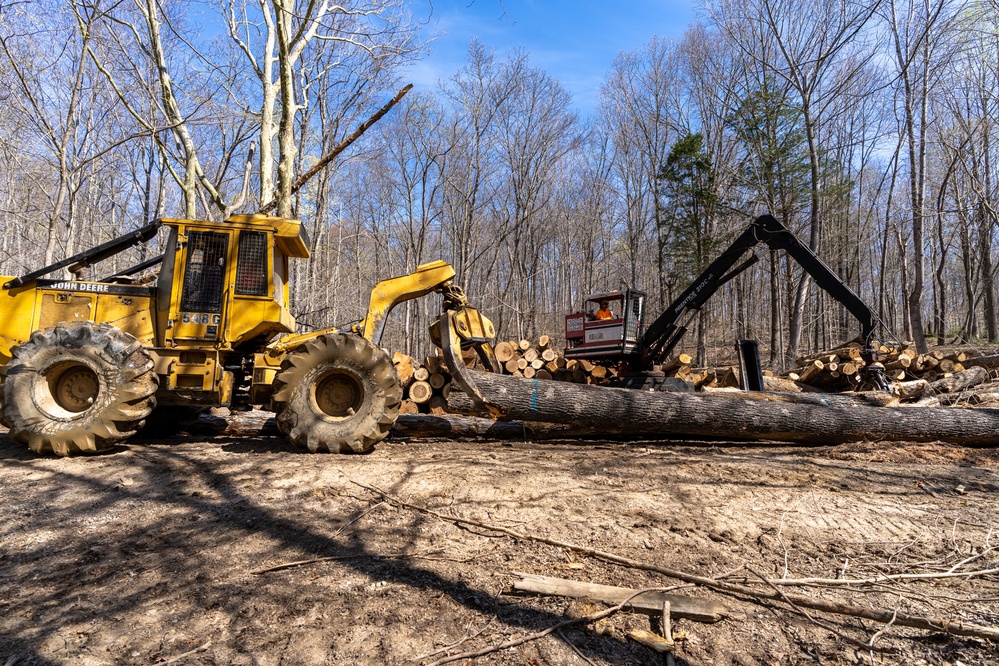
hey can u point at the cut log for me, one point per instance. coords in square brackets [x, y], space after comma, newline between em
[649, 603]
[543, 343]
[408, 407]
[438, 405]
[814, 368]
[674, 363]
[549, 355]
[636, 413]
[902, 362]
[404, 366]
[511, 365]
[532, 355]
[842, 400]
[522, 364]
[961, 380]
[991, 361]
[778, 385]
[454, 426]
[524, 345]
[543, 374]
[420, 392]
[421, 374]
[912, 390]
[433, 363]
[538, 363]
[503, 351]
[437, 380]
[729, 378]
[530, 372]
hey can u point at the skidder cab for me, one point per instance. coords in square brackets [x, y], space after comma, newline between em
[86, 364]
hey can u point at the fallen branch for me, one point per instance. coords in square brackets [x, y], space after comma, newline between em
[586, 619]
[947, 625]
[334, 558]
[174, 660]
[692, 608]
[463, 639]
[819, 623]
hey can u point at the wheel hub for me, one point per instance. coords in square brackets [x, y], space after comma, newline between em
[339, 395]
[76, 388]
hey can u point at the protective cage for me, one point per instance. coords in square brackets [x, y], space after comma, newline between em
[251, 264]
[204, 277]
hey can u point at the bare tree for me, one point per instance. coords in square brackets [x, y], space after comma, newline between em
[811, 36]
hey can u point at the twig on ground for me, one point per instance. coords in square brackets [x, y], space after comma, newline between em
[885, 628]
[947, 625]
[466, 637]
[333, 558]
[840, 582]
[586, 619]
[814, 620]
[173, 660]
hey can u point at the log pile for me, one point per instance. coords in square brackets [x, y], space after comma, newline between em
[839, 369]
[425, 384]
[931, 379]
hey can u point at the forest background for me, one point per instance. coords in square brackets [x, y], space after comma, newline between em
[866, 127]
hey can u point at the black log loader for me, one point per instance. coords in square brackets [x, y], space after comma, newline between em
[624, 338]
[85, 364]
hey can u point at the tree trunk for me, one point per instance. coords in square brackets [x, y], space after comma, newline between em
[630, 412]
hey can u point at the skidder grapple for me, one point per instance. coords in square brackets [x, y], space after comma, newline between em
[86, 364]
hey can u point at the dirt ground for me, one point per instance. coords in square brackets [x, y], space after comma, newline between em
[147, 553]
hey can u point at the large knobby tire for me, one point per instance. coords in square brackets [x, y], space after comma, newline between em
[77, 388]
[337, 393]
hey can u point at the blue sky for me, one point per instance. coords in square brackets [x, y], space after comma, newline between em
[575, 41]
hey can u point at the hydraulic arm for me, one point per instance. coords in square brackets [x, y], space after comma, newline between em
[662, 336]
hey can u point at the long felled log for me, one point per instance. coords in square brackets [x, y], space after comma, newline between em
[452, 426]
[625, 411]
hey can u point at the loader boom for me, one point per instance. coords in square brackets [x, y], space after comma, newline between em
[662, 335]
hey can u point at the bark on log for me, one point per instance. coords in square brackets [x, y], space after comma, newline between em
[453, 426]
[842, 400]
[649, 603]
[779, 385]
[991, 361]
[629, 412]
[961, 380]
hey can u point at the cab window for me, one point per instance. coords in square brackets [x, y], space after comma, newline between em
[251, 264]
[204, 276]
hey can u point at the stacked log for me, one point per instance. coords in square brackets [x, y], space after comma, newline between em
[425, 384]
[917, 377]
[542, 360]
[839, 369]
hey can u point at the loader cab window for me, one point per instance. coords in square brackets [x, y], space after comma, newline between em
[604, 308]
[204, 276]
[251, 264]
